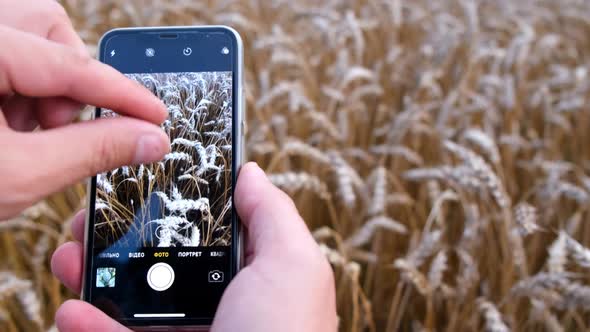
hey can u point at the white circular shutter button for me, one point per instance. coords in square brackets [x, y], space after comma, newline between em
[160, 276]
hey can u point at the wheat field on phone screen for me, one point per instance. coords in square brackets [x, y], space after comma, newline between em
[185, 199]
[438, 151]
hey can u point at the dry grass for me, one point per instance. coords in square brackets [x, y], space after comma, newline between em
[435, 148]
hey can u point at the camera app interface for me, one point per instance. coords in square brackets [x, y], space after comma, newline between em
[162, 231]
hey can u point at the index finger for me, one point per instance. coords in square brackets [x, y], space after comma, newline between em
[35, 67]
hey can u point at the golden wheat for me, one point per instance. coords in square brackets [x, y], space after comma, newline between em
[436, 149]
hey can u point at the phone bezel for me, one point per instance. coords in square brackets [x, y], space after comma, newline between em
[238, 129]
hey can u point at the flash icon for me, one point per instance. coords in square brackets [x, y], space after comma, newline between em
[112, 53]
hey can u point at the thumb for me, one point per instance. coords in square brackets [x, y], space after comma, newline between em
[274, 227]
[78, 316]
[34, 165]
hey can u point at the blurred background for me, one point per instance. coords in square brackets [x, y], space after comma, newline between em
[436, 149]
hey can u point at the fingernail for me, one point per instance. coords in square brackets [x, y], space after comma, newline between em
[150, 148]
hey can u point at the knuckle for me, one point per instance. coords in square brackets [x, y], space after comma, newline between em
[79, 58]
[102, 157]
[75, 59]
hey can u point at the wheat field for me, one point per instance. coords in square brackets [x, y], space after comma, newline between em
[436, 150]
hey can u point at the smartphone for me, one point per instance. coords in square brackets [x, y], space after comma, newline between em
[163, 240]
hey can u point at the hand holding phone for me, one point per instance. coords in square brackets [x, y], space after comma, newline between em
[163, 239]
[286, 284]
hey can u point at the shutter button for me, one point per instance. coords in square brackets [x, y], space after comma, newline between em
[160, 276]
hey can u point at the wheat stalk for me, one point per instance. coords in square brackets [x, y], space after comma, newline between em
[483, 171]
[300, 181]
[525, 216]
[557, 254]
[484, 141]
[364, 234]
[437, 269]
[493, 318]
[579, 253]
[541, 313]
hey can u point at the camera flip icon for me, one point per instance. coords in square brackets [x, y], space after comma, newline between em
[215, 276]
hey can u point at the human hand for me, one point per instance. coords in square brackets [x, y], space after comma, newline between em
[46, 74]
[286, 285]
[43, 18]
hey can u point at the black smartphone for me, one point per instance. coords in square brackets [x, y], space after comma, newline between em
[163, 240]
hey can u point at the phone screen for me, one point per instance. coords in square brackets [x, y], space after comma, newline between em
[162, 235]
